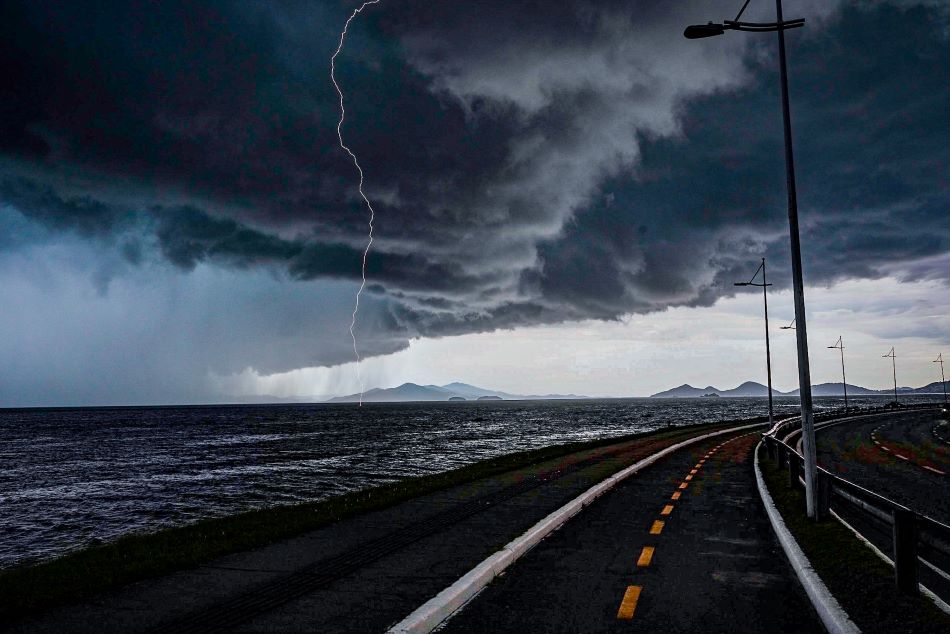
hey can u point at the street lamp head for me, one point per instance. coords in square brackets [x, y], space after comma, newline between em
[698, 31]
[740, 283]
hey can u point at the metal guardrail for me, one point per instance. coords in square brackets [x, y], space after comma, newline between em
[915, 537]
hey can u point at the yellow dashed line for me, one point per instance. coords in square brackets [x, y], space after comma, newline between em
[629, 603]
[646, 556]
[657, 527]
[688, 478]
[667, 509]
[693, 471]
[675, 496]
[684, 485]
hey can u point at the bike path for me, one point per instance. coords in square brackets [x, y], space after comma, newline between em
[386, 562]
[683, 547]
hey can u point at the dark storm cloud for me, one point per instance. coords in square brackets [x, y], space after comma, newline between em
[529, 162]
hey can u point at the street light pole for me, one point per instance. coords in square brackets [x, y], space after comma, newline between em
[804, 374]
[801, 333]
[943, 379]
[844, 384]
[768, 353]
[893, 356]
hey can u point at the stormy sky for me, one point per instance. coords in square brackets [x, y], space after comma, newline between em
[177, 219]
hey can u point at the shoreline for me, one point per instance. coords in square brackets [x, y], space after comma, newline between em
[90, 571]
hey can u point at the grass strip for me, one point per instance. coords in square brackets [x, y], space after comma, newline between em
[861, 582]
[84, 573]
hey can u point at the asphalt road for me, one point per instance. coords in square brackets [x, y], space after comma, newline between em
[386, 563]
[712, 565]
[908, 463]
[902, 456]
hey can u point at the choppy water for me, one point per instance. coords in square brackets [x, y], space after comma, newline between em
[74, 477]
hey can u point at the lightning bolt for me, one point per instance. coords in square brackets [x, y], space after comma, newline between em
[356, 163]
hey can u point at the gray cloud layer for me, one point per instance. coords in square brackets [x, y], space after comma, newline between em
[530, 162]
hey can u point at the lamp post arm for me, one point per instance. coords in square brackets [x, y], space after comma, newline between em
[763, 27]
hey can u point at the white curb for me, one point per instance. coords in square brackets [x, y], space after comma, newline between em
[832, 615]
[434, 611]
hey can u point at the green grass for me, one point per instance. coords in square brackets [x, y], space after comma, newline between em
[861, 582]
[83, 573]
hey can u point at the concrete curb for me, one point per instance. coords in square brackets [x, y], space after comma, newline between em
[832, 615]
[437, 609]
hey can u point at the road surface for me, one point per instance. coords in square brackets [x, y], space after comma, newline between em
[683, 547]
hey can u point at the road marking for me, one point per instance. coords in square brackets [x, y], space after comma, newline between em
[688, 478]
[900, 456]
[693, 471]
[684, 485]
[667, 509]
[883, 448]
[675, 496]
[646, 556]
[629, 603]
[932, 469]
[657, 527]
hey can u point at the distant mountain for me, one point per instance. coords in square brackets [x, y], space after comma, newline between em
[834, 389]
[472, 392]
[453, 391]
[932, 388]
[685, 391]
[751, 389]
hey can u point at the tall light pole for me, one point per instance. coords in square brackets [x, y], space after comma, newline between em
[844, 384]
[804, 374]
[893, 357]
[943, 379]
[768, 353]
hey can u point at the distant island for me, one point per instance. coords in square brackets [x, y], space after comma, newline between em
[408, 392]
[752, 389]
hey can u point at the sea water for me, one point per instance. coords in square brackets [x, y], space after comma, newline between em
[70, 478]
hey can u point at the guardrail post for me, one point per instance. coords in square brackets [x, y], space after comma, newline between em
[793, 469]
[824, 496]
[905, 550]
[770, 448]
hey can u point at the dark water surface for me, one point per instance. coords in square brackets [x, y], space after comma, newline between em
[74, 477]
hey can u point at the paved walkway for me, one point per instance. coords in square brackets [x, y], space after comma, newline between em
[683, 547]
[359, 575]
